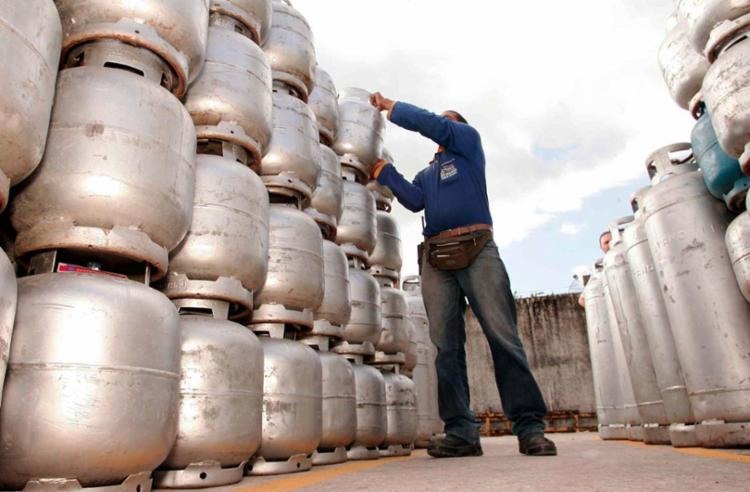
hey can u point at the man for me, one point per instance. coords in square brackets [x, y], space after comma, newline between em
[604, 240]
[461, 263]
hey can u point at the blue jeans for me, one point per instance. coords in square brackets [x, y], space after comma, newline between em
[486, 286]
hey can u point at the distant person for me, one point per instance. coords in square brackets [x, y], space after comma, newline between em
[461, 263]
[604, 239]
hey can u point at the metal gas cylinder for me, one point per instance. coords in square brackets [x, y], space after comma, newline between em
[290, 50]
[254, 15]
[295, 284]
[292, 407]
[327, 204]
[339, 424]
[292, 164]
[738, 245]
[324, 103]
[410, 360]
[118, 177]
[225, 254]
[30, 41]
[357, 229]
[702, 16]
[686, 228]
[383, 195]
[234, 88]
[221, 400]
[401, 414]
[633, 327]
[336, 308]
[721, 172]
[658, 331]
[174, 30]
[359, 140]
[394, 338]
[425, 373]
[372, 418]
[682, 67]
[385, 260]
[725, 90]
[365, 323]
[8, 297]
[609, 405]
[90, 353]
[626, 405]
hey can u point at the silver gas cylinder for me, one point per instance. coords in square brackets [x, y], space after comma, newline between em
[738, 245]
[327, 204]
[609, 399]
[8, 296]
[658, 331]
[632, 327]
[725, 89]
[295, 285]
[30, 41]
[626, 404]
[425, 373]
[394, 338]
[686, 230]
[292, 164]
[401, 414]
[359, 140]
[95, 360]
[335, 310]
[225, 254]
[357, 229]
[118, 177]
[290, 50]
[410, 359]
[682, 67]
[254, 15]
[339, 407]
[372, 418]
[362, 332]
[234, 89]
[173, 30]
[385, 260]
[324, 103]
[292, 407]
[702, 16]
[221, 400]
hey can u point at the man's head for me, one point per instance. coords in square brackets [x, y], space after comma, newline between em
[455, 116]
[604, 241]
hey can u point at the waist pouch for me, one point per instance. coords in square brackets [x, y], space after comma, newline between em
[456, 253]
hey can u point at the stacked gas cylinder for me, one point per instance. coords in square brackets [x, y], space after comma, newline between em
[185, 295]
[667, 308]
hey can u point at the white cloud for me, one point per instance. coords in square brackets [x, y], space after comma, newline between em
[568, 98]
[570, 229]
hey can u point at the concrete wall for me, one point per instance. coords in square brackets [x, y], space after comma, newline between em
[553, 330]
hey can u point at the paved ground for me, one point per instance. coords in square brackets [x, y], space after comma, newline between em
[585, 463]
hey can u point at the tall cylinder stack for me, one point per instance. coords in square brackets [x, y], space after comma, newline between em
[185, 298]
[111, 197]
[688, 246]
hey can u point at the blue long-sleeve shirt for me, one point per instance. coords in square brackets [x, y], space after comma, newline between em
[452, 190]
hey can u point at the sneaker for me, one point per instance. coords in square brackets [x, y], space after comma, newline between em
[454, 447]
[537, 445]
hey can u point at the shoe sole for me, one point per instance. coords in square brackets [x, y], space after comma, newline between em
[473, 454]
[540, 452]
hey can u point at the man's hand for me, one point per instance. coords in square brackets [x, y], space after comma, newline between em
[380, 102]
[377, 168]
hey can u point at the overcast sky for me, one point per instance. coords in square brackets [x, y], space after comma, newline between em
[568, 98]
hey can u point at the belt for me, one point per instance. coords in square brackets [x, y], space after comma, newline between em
[462, 231]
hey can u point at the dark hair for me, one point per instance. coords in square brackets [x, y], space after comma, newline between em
[459, 116]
